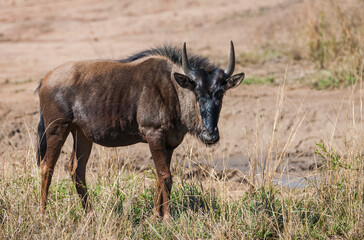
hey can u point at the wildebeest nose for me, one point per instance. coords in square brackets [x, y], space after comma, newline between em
[210, 136]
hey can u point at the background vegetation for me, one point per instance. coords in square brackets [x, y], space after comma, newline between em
[331, 40]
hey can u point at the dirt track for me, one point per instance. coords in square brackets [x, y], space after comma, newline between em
[36, 36]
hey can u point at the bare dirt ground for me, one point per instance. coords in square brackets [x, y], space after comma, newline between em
[36, 36]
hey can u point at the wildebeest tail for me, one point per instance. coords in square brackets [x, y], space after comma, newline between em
[42, 141]
[37, 89]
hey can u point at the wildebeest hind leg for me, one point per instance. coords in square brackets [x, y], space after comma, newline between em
[77, 165]
[56, 135]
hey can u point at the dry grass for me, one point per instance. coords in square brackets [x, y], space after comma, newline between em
[335, 31]
[327, 42]
[334, 37]
[330, 208]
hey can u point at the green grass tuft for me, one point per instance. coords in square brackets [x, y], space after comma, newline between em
[259, 80]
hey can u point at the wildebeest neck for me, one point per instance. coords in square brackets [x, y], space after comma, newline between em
[190, 111]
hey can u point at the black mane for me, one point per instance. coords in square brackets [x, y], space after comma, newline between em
[175, 55]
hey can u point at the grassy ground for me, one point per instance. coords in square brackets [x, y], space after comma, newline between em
[331, 208]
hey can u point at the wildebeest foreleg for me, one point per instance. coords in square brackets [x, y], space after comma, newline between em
[77, 165]
[161, 158]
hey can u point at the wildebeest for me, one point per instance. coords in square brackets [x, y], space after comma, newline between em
[155, 97]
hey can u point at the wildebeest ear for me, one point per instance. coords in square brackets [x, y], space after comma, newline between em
[184, 81]
[234, 81]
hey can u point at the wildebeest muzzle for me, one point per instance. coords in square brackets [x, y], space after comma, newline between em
[210, 136]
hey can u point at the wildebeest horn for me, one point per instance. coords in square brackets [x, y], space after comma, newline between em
[185, 65]
[231, 65]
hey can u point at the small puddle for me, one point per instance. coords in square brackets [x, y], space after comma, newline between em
[292, 181]
[241, 163]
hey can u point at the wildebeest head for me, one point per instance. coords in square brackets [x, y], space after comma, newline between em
[209, 89]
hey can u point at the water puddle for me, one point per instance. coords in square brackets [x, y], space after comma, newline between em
[294, 181]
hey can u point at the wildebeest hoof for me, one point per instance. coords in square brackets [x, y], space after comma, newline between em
[167, 218]
[157, 214]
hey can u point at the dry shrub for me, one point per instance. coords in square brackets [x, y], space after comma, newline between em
[335, 33]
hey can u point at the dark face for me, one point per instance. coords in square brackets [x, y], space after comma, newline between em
[209, 89]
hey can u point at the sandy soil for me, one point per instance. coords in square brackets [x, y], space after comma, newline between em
[36, 36]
